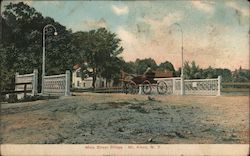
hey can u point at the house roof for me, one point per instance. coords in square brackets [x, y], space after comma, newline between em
[76, 66]
[163, 74]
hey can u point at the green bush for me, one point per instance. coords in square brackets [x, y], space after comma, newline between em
[12, 98]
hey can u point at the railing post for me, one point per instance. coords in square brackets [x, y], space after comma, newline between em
[219, 86]
[182, 86]
[16, 75]
[140, 89]
[173, 85]
[42, 89]
[35, 82]
[67, 84]
[25, 88]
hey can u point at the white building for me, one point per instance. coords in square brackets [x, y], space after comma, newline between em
[79, 82]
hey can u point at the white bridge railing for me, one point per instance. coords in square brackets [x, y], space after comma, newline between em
[173, 84]
[202, 87]
[57, 84]
[193, 87]
[27, 78]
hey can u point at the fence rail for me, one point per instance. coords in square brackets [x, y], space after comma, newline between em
[57, 84]
[24, 91]
[246, 84]
[210, 87]
[26, 82]
[238, 88]
[202, 87]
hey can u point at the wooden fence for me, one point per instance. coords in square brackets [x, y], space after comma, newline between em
[240, 87]
[29, 81]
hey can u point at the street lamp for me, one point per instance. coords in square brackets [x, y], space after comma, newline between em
[182, 78]
[43, 67]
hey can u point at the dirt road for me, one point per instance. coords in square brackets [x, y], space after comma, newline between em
[118, 118]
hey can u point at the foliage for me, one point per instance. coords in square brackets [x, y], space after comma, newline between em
[100, 49]
[166, 66]
[21, 51]
[22, 42]
[191, 71]
[142, 65]
[241, 75]
[129, 67]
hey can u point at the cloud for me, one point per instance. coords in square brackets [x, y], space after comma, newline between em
[126, 36]
[159, 25]
[152, 40]
[205, 6]
[52, 2]
[30, 3]
[120, 10]
[243, 10]
[95, 24]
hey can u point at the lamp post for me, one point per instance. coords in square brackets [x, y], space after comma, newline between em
[43, 67]
[182, 78]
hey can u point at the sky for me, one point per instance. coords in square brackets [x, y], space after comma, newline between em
[215, 33]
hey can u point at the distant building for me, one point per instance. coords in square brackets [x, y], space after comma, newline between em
[163, 74]
[85, 81]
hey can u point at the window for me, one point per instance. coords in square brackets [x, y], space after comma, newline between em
[84, 84]
[78, 84]
[78, 73]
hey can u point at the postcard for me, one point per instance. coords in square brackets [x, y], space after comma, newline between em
[124, 77]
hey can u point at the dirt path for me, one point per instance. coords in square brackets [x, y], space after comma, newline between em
[118, 118]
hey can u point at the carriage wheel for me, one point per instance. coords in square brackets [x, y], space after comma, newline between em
[135, 87]
[125, 88]
[132, 87]
[162, 87]
[146, 87]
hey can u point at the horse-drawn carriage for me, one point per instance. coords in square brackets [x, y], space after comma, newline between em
[132, 83]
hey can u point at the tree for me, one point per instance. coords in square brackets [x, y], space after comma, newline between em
[129, 67]
[100, 48]
[209, 73]
[166, 66]
[22, 38]
[142, 65]
[191, 71]
[241, 75]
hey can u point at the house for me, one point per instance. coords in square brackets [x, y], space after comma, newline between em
[85, 81]
[163, 74]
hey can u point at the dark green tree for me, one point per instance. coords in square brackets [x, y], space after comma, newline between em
[191, 71]
[100, 49]
[166, 66]
[241, 75]
[129, 67]
[22, 42]
[142, 65]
